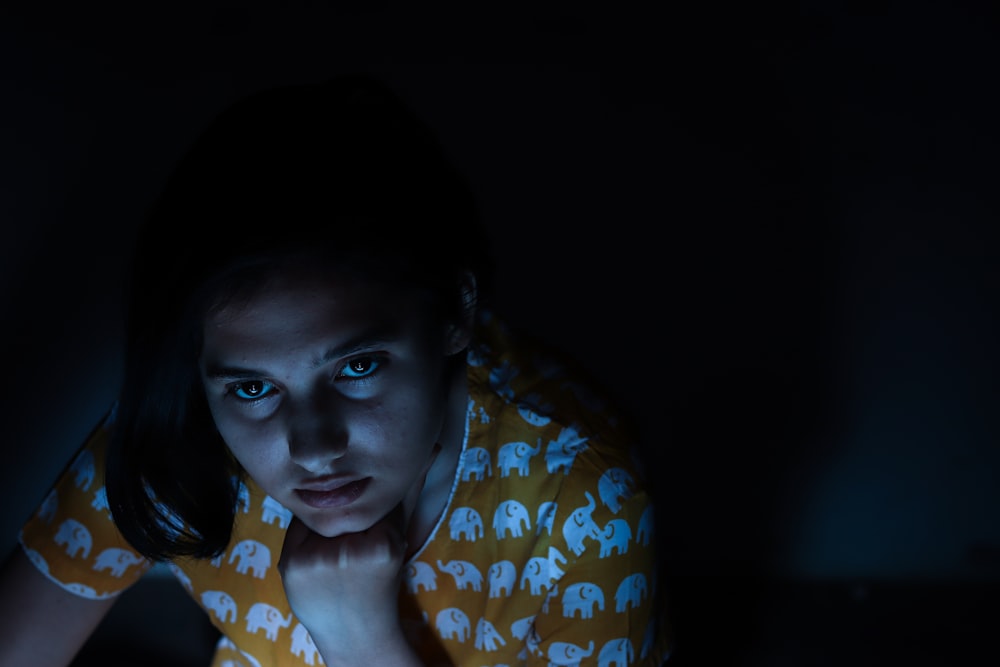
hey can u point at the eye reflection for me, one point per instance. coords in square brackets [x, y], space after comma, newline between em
[252, 389]
[359, 367]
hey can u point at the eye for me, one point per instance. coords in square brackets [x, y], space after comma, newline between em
[359, 368]
[251, 390]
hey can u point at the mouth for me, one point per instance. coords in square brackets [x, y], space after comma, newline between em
[339, 496]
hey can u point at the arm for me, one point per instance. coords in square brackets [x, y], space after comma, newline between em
[344, 590]
[347, 587]
[42, 624]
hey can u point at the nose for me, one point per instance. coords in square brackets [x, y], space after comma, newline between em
[317, 436]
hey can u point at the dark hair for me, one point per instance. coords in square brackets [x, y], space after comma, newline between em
[338, 173]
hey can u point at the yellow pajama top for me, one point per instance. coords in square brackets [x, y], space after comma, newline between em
[544, 555]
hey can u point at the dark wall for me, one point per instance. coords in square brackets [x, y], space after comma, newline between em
[770, 232]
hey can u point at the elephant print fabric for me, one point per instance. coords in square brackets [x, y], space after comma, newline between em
[543, 556]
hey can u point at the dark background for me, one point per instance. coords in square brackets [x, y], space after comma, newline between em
[770, 231]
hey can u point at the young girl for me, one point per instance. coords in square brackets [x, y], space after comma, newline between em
[338, 448]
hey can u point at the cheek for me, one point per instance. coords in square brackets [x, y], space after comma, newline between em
[256, 447]
[399, 427]
[420, 421]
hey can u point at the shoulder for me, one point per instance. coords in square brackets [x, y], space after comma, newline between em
[522, 387]
[540, 428]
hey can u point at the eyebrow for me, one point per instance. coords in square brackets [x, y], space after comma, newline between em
[365, 341]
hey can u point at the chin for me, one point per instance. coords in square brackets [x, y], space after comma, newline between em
[335, 526]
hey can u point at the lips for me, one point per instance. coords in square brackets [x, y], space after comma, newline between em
[337, 494]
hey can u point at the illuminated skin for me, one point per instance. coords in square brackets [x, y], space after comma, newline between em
[338, 401]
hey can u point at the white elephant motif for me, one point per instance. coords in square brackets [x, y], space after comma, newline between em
[487, 636]
[84, 469]
[536, 575]
[539, 572]
[420, 575]
[614, 486]
[221, 604]
[615, 537]
[510, 515]
[272, 511]
[303, 645]
[517, 456]
[567, 654]
[502, 576]
[553, 593]
[617, 652]
[581, 597]
[534, 414]
[117, 561]
[47, 511]
[532, 644]
[644, 533]
[100, 501]
[263, 615]
[465, 522]
[252, 555]
[465, 574]
[520, 628]
[500, 378]
[242, 495]
[546, 515]
[632, 590]
[476, 356]
[484, 417]
[452, 623]
[555, 558]
[562, 451]
[476, 463]
[580, 525]
[75, 536]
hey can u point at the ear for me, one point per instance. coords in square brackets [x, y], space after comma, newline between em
[459, 333]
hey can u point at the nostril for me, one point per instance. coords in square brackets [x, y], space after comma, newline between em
[316, 449]
[317, 431]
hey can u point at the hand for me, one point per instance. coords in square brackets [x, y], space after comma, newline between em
[346, 587]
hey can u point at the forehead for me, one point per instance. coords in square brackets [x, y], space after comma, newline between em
[292, 276]
[312, 294]
[303, 311]
[296, 323]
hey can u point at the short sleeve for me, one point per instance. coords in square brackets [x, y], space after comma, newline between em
[72, 539]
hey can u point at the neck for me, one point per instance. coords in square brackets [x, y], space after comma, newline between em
[441, 476]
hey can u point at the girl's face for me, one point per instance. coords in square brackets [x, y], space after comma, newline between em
[332, 396]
